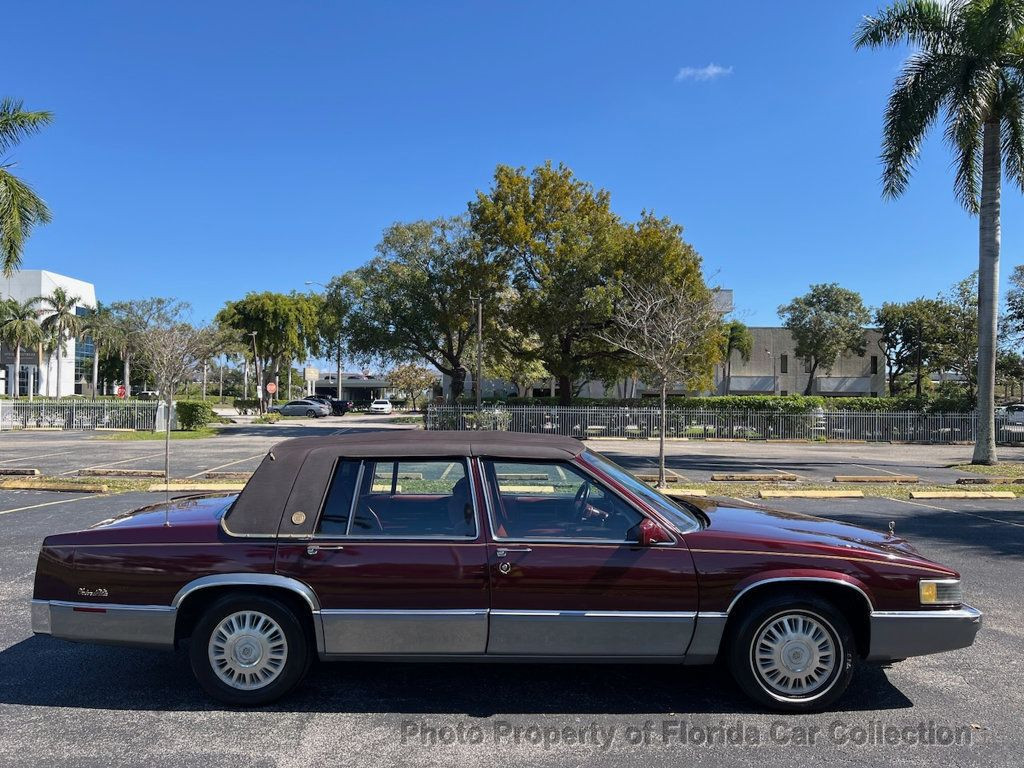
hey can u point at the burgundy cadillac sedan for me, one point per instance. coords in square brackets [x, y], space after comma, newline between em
[491, 546]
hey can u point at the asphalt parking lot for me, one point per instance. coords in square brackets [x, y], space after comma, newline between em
[68, 704]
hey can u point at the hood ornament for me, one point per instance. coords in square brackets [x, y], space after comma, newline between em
[892, 527]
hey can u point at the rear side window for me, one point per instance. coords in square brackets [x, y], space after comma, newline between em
[400, 499]
[338, 504]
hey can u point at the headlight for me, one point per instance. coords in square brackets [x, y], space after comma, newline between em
[940, 592]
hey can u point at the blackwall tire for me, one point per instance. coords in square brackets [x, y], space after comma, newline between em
[248, 650]
[794, 653]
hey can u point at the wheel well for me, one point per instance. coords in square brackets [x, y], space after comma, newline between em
[195, 605]
[848, 601]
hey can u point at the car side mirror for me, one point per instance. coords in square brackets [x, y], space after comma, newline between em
[652, 533]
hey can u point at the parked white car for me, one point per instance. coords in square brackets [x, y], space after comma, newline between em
[1011, 414]
[381, 406]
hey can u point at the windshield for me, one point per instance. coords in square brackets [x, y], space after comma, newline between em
[682, 518]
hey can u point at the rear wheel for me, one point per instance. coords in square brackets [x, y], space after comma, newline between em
[793, 652]
[249, 650]
[311, 413]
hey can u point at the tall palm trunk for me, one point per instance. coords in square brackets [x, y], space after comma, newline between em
[95, 369]
[17, 370]
[662, 483]
[988, 290]
[59, 355]
[127, 374]
[39, 367]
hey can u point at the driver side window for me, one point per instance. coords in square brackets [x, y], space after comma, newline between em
[555, 500]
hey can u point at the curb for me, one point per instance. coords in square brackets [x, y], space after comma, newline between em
[875, 479]
[197, 488]
[811, 494]
[757, 477]
[42, 485]
[963, 495]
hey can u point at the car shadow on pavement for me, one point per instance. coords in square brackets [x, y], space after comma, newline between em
[42, 671]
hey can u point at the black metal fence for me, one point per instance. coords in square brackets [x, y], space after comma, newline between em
[700, 424]
[76, 414]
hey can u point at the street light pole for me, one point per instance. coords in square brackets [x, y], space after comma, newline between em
[256, 365]
[479, 300]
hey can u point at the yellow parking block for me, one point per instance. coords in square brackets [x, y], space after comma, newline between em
[963, 495]
[769, 494]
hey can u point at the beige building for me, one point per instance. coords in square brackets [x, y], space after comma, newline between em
[774, 368]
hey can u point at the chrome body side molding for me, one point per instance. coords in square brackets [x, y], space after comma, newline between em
[822, 579]
[385, 632]
[590, 633]
[249, 579]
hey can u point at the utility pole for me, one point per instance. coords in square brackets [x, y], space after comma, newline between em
[256, 365]
[479, 349]
[220, 395]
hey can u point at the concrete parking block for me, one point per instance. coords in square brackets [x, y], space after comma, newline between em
[756, 477]
[963, 495]
[120, 473]
[19, 471]
[197, 487]
[876, 479]
[771, 494]
[41, 484]
[684, 491]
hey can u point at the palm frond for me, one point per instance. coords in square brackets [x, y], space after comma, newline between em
[16, 123]
[971, 102]
[1012, 117]
[913, 106]
[20, 210]
[931, 24]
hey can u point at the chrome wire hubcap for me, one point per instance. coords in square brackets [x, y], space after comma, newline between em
[248, 650]
[794, 654]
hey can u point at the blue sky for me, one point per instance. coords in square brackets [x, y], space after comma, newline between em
[203, 150]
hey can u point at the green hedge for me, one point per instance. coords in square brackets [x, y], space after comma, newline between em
[194, 414]
[245, 405]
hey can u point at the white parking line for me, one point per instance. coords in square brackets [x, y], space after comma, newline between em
[59, 501]
[878, 469]
[229, 464]
[37, 456]
[958, 512]
[113, 463]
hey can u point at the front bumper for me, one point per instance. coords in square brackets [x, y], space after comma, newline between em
[141, 626]
[899, 634]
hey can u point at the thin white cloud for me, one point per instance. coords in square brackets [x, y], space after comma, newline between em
[703, 74]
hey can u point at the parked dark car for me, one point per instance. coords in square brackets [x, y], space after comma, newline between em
[491, 546]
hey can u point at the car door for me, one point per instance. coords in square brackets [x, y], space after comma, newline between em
[396, 559]
[568, 575]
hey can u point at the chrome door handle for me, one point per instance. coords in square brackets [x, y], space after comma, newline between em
[312, 549]
[504, 551]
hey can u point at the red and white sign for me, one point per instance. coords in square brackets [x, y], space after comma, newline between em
[271, 387]
[121, 391]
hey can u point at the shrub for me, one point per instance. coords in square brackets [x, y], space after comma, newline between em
[268, 418]
[194, 414]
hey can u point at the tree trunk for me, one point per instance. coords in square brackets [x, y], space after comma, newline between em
[458, 384]
[59, 366]
[95, 369]
[728, 373]
[127, 374]
[17, 371]
[810, 378]
[39, 365]
[338, 382]
[564, 390]
[661, 434]
[988, 295]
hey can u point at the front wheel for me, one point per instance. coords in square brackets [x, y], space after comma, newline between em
[793, 652]
[249, 650]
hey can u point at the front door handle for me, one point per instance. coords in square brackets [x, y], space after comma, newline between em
[312, 549]
[505, 551]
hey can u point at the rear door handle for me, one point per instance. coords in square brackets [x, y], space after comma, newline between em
[505, 551]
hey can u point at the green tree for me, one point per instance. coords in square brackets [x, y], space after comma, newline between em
[958, 351]
[1010, 371]
[826, 322]
[414, 300]
[128, 321]
[337, 306]
[60, 322]
[19, 327]
[412, 380]
[514, 359]
[286, 328]
[21, 210]
[736, 337]
[97, 327]
[561, 241]
[968, 63]
[912, 335]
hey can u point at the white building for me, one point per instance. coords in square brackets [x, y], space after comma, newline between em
[76, 360]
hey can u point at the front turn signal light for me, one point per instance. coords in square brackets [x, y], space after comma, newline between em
[940, 592]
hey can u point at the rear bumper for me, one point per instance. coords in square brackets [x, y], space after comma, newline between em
[899, 634]
[140, 626]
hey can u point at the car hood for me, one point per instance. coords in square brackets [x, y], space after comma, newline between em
[796, 528]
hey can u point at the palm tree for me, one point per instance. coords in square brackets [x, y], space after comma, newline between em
[20, 327]
[61, 322]
[969, 66]
[97, 326]
[736, 337]
[20, 207]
